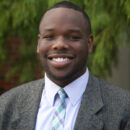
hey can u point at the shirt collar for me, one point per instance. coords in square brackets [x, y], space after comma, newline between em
[74, 90]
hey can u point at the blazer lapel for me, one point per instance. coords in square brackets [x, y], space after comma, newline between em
[25, 118]
[90, 105]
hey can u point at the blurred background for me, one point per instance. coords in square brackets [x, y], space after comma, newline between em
[19, 21]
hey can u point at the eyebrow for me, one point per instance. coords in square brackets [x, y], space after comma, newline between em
[49, 30]
[69, 30]
[75, 31]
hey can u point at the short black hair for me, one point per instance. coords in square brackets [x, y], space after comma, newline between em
[67, 4]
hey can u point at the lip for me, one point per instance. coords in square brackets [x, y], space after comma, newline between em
[60, 55]
[66, 59]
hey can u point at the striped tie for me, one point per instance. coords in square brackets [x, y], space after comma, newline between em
[59, 114]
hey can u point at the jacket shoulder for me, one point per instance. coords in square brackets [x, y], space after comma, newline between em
[20, 92]
[114, 97]
[22, 88]
[17, 101]
[109, 90]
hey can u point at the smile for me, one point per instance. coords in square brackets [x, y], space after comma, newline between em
[60, 59]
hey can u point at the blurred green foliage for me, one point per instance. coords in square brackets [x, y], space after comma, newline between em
[20, 19]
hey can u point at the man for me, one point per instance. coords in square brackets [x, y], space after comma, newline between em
[70, 97]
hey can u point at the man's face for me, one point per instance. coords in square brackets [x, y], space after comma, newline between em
[63, 45]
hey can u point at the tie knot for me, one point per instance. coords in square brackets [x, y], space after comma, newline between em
[62, 94]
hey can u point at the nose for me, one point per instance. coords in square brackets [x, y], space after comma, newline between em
[60, 44]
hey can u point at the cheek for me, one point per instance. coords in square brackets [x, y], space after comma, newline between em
[43, 47]
[81, 48]
[41, 53]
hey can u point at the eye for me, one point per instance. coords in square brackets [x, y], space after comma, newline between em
[49, 37]
[74, 38]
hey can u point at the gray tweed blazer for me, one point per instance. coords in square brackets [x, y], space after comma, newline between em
[103, 107]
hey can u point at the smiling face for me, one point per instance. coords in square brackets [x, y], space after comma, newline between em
[64, 44]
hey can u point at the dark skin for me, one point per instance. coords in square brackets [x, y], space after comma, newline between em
[63, 44]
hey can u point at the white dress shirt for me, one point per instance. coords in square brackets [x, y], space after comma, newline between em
[74, 91]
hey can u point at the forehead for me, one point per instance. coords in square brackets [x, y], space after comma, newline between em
[63, 18]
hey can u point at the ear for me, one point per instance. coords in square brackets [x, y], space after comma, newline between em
[38, 39]
[90, 44]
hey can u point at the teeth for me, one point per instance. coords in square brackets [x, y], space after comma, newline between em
[60, 59]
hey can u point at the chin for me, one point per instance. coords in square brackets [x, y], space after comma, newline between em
[63, 79]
